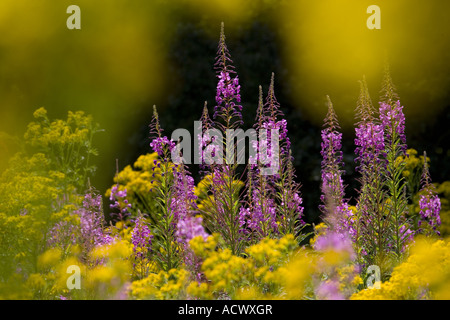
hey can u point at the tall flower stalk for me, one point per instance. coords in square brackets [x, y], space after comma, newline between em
[393, 121]
[429, 203]
[141, 239]
[92, 223]
[289, 208]
[290, 217]
[189, 225]
[332, 170]
[371, 226]
[222, 214]
[227, 111]
[165, 246]
[259, 217]
[120, 205]
[274, 202]
[389, 93]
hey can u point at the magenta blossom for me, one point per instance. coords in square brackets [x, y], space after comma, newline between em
[141, 238]
[430, 207]
[393, 121]
[190, 227]
[335, 241]
[158, 145]
[370, 144]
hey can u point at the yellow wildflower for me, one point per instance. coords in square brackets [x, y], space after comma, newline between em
[425, 274]
[49, 258]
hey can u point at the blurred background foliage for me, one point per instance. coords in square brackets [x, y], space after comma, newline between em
[130, 55]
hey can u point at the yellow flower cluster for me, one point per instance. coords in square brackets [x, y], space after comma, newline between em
[262, 274]
[161, 286]
[138, 180]
[296, 276]
[413, 165]
[272, 252]
[113, 272]
[202, 188]
[271, 269]
[203, 248]
[424, 275]
[319, 230]
[205, 200]
[225, 270]
[66, 143]
[108, 278]
[32, 200]
[59, 133]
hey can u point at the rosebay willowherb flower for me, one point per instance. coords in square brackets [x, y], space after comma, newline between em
[289, 210]
[228, 98]
[120, 204]
[335, 209]
[332, 159]
[182, 195]
[92, 224]
[369, 145]
[393, 122]
[221, 210]
[189, 228]
[272, 143]
[164, 218]
[260, 218]
[329, 290]
[369, 226]
[160, 144]
[184, 205]
[257, 218]
[272, 117]
[369, 139]
[336, 269]
[336, 242]
[430, 207]
[63, 234]
[273, 200]
[141, 238]
[204, 139]
[382, 229]
[429, 204]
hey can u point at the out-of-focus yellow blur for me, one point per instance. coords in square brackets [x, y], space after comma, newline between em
[116, 64]
[111, 68]
[328, 48]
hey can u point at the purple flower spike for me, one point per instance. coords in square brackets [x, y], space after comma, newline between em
[429, 203]
[393, 121]
[228, 94]
[335, 241]
[158, 145]
[92, 222]
[369, 144]
[329, 290]
[189, 228]
[141, 238]
[123, 208]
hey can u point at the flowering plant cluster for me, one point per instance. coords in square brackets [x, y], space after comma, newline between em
[239, 233]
